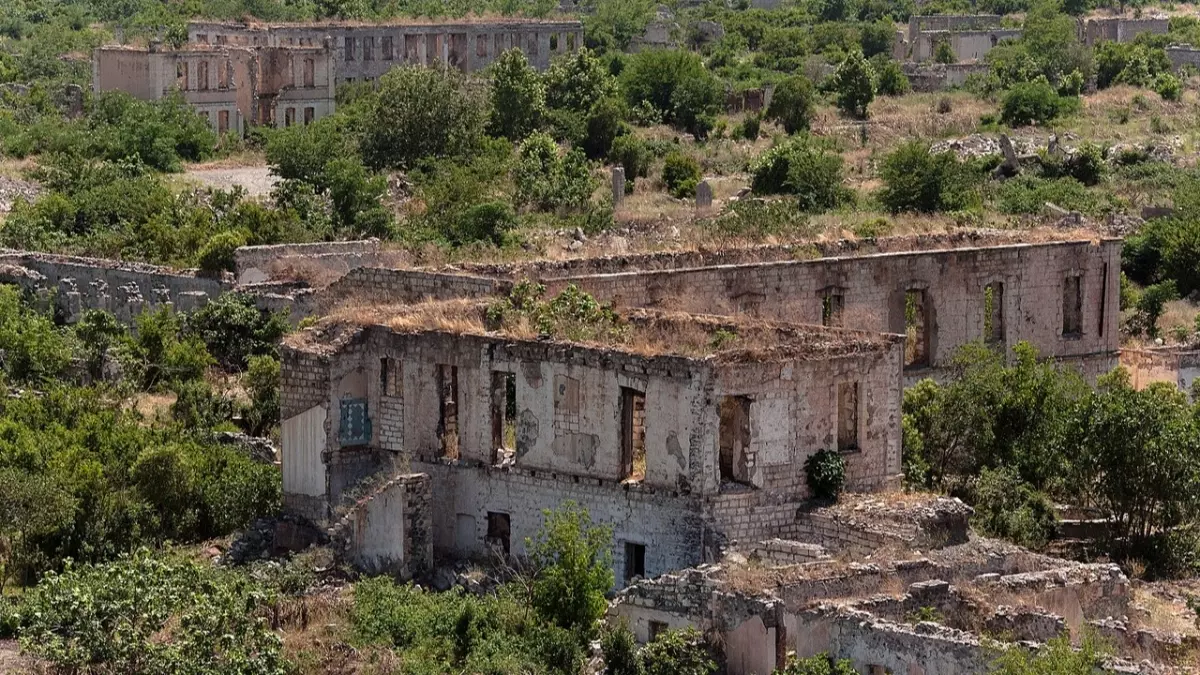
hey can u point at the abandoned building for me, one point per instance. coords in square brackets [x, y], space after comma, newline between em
[940, 291]
[1121, 29]
[680, 445]
[230, 86]
[925, 599]
[364, 52]
[969, 37]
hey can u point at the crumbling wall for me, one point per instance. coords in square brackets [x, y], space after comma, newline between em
[1075, 592]
[926, 77]
[919, 23]
[304, 411]
[1171, 365]
[1122, 29]
[1183, 55]
[389, 531]
[967, 46]
[873, 290]
[383, 286]
[125, 289]
[258, 264]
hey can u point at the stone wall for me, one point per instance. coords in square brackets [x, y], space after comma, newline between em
[259, 264]
[126, 289]
[926, 77]
[1183, 55]
[389, 286]
[1122, 29]
[874, 289]
[967, 46]
[1179, 366]
[951, 22]
[389, 531]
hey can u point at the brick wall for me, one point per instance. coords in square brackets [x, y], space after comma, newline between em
[384, 286]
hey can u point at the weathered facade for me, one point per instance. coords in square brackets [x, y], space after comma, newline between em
[364, 52]
[229, 86]
[1121, 29]
[680, 454]
[968, 46]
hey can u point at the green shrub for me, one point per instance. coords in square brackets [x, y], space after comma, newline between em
[147, 614]
[1009, 508]
[572, 557]
[801, 166]
[890, 80]
[262, 386]
[681, 173]
[1029, 194]
[631, 153]
[518, 97]
[943, 52]
[1034, 103]
[873, 229]
[821, 664]
[750, 127]
[605, 122]
[233, 329]
[674, 84]
[678, 652]
[487, 222]
[1168, 87]
[853, 83]
[1072, 84]
[217, 255]
[549, 181]
[792, 104]
[620, 650]
[917, 179]
[577, 81]
[825, 474]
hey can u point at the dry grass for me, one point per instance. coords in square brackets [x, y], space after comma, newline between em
[1162, 613]
[1178, 314]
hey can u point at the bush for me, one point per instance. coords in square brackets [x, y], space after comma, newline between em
[1029, 194]
[576, 81]
[943, 52]
[1034, 103]
[825, 474]
[549, 181]
[217, 255]
[487, 222]
[750, 127]
[262, 385]
[1007, 507]
[518, 98]
[678, 652]
[620, 650]
[821, 664]
[890, 80]
[572, 559]
[233, 329]
[1168, 87]
[631, 153]
[604, 124]
[792, 104]
[916, 179]
[681, 173]
[801, 166]
[675, 84]
[401, 125]
[853, 83]
[147, 614]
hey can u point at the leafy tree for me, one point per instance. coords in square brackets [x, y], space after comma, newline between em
[890, 80]
[695, 103]
[631, 153]
[653, 77]
[518, 97]
[35, 351]
[574, 569]
[233, 329]
[1034, 103]
[620, 650]
[31, 505]
[1058, 657]
[801, 166]
[577, 81]
[1150, 305]
[161, 356]
[549, 181]
[605, 123]
[917, 179]
[486, 222]
[420, 113]
[1139, 456]
[300, 152]
[615, 23]
[262, 384]
[98, 332]
[853, 82]
[943, 52]
[217, 255]
[1007, 507]
[678, 652]
[793, 103]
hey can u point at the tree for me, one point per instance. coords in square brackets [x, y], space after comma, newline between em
[943, 52]
[605, 123]
[917, 179]
[853, 81]
[821, 664]
[890, 80]
[801, 166]
[792, 104]
[31, 505]
[233, 329]
[217, 255]
[615, 23]
[1034, 103]
[549, 181]
[1139, 453]
[678, 652]
[695, 104]
[652, 78]
[420, 113]
[574, 569]
[681, 174]
[518, 98]
[577, 81]
[262, 385]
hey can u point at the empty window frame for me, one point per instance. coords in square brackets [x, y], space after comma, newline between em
[481, 42]
[554, 42]
[222, 121]
[832, 305]
[389, 377]
[916, 328]
[633, 434]
[310, 72]
[181, 75]
[734, 438]
[1103, 299]
[224, 74]
[289, 117]
[202, 38]
[447, 382]
[368, 49]
[222, 39]
[654, 629]
[202, 75]
[571, 41]
[310, 113]
[635, 561]
[993, 313]
[385, 43]
[1072, 306]
[499, 532]
[504, 416]
[847, 417]
[349, 48]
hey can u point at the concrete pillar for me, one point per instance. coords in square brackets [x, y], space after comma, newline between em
[618, 186]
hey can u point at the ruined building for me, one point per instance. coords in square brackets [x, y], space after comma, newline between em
[680, 445]
[230, 86]
[970, 37]
[364, 52]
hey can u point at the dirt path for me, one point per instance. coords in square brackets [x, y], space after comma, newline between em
[257, 180]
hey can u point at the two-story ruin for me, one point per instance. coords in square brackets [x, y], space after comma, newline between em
[230, 86]
[364, 52]
[686, 434]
